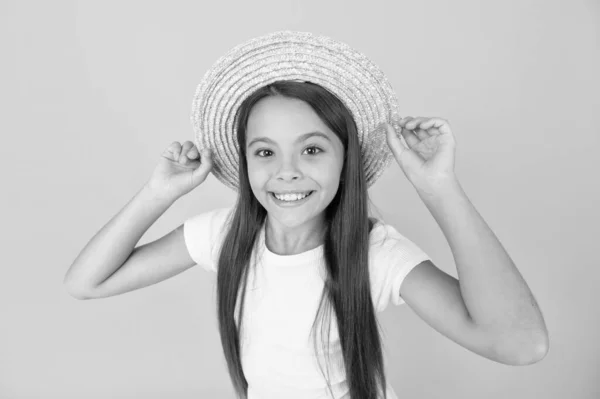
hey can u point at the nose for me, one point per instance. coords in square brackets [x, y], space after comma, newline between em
[288, 169]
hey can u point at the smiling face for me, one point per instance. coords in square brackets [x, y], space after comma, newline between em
[290, 149]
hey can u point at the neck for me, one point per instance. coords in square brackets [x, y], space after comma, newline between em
[285, 240]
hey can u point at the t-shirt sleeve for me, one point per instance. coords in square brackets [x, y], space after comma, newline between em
[204, 234]
[391, 257]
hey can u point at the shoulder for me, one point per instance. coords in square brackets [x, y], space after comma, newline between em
[392, 255]
[209, 225]
[388, 247]
[384, 234]
[213, 219]
[391, 251]
[204, 232]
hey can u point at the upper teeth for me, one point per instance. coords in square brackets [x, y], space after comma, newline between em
[290, 197]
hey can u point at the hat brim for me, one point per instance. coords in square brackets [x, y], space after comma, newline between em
[301, 56]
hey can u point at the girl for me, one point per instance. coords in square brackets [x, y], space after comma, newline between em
[301, 267]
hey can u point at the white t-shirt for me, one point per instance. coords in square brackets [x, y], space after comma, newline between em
[282, 298]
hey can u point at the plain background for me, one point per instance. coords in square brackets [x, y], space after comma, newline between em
[93, 92]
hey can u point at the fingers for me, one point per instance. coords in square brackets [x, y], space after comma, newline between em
[426, 127]
[183, 154]
[411, 137]
[394, 142]
[197, 165]
[421, 128]
[193, 153]
[206, 164]
[172, 151]
[402, 154]
[421, 133]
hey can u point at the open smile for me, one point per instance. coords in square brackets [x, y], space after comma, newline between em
[291, 202]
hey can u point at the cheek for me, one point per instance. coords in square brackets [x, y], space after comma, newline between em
[331, 169]
[256, 172]
[258, 177]
[325, 170]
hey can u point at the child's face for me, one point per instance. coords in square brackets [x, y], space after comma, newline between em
[290, 162]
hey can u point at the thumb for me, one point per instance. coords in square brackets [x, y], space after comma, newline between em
[402, 153]
[199, 174]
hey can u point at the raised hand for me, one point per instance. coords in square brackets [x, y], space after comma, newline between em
[429, 156]
[180, 170]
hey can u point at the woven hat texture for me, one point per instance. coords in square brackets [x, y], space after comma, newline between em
[300, 56]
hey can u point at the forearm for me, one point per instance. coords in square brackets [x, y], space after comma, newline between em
[113, 244]
[495, 294]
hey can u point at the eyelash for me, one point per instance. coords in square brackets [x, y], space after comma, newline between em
[257, 152]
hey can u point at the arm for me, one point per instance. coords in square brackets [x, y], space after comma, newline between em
[114, 243]
[490, 308]
[496, 297]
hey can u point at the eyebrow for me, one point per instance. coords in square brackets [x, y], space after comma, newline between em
[300, 138]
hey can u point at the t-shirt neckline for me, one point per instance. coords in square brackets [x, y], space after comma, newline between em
[303, 258]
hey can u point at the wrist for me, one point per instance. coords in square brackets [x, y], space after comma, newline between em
[437, 187]
[157, 195]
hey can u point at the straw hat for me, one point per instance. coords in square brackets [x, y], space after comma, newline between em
[300, 56]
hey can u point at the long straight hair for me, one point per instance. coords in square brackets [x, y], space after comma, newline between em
[346, 248]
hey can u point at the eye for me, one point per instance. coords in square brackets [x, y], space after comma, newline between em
[315, 147]
[307, 148]
[259, 151]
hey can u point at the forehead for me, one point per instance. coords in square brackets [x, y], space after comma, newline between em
[283, 118]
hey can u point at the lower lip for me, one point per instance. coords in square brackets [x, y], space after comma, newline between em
[290, 203]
